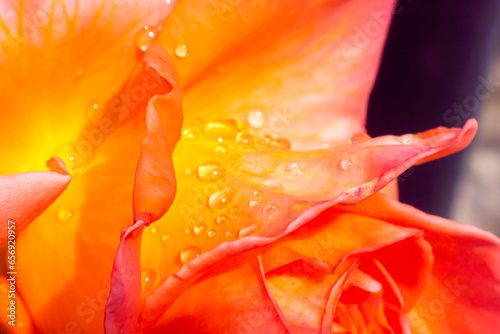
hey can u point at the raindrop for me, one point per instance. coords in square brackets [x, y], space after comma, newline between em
[221, 219]
[148, 280]
[189, 253]
[210, 171]
[199, 229]
[256, 118]
[253, 204]
[221, 149]
[211, 234]
[294, 169]
[219, 199]
[144, 37]
[165, 237]
[65, 214]
[346, 163]
[181, 50]
[244, 138]
[220, 131]
[359, 137]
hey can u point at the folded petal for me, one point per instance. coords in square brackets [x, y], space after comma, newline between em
[61, 63]
[24, 196]
[295, 69]
[154, 191]
[232, 297]
[252, 193]
[77, 238]
[463, 295]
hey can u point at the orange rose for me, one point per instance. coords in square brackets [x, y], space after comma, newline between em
[225, 139]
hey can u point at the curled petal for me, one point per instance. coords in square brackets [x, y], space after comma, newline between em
[24, 196]
[256, 212]
[154, 192]
[463, 294]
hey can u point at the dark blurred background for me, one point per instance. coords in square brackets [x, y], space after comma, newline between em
[437, 54]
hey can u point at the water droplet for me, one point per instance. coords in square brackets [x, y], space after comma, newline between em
[408, 139]
[273, 184]
[153, 230]
[359, 137]
[253, 204]
[269, 208]
[346, 163]
[221, 149]
[181, 50]
[256, 118]
[229, 234]
[92, 111]
[294, 168]
[248, 230]
[221, 219]
[199, 229]
[148, 280]
[144, 37]
[234, 210]
[219, 199]
[244, 138]
[188, 134]
[220, 131]
[165, 237]
[65, 214]
[257, 193]
[187, 231]
[282, 142]
[188, 172]
[189, 253]
[211, 234]
[210, 171]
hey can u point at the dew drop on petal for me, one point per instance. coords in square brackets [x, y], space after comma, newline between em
[199, 229]
[248, 230]
[92, 111]
[256, 118]
[408, 139]
[359, 137]
[181, 50]
[221, 149]
[165, 238]
[219, 199]
[273, 184]
[253, 204]
[346, 163]
[148, 280]
[294, 169]
[189, 253]
[221, 219]
[65, 214]
[144, 38]
[153, 230]
[210, 171]
[244, 138]
[220, 131]
[257, 193]
[211, 233]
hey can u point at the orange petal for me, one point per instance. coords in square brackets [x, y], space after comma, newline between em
[294, 69]
[79, 233]
[258, 193]
[16, 318]
[24, 196]
[232, 298]
[61, 62]
[154, 191]
[463, 295]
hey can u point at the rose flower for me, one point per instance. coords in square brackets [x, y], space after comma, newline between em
[210, 173]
